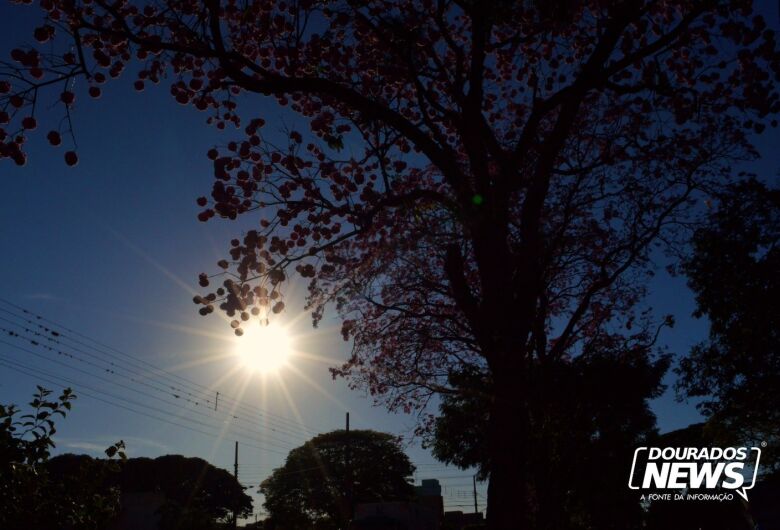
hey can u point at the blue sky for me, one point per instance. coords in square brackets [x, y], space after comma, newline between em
[112, 249]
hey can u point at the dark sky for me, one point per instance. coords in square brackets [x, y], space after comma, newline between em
[112, 249]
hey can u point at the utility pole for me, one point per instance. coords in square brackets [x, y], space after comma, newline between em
[476, 508]
[235, 474]
[216, 401]
[350, 502]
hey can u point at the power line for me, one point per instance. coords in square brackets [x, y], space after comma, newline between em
[159, 372]
[58, 380]
[58, 334]
[132, 389]
[136, 403]
[194, 386]
[205, 392]
[164, 390]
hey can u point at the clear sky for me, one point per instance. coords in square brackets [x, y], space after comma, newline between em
[112, 248]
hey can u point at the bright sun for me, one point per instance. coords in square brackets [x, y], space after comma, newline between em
[264, 349]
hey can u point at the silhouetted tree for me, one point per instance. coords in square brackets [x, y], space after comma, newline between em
[586, 439]
[479, 189]
[197, 494]
[458, 435]
[33, 498]
[734, 269]
[322, 480]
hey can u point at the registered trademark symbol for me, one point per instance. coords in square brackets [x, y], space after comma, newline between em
[763, 444]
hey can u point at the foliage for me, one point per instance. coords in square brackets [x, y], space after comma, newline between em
[197, 494]
[175, 516]
[79, 492]
[322, 479]
[458, 434]
[86, 482]
[481, 186]
[734, 269]
[586, 440]
[29, 496]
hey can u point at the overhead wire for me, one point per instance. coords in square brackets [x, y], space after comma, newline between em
[160, 373]
[206, 394]
[205, 391]
[57, 380]
[57, 333]
[235, 429]
[163, 390]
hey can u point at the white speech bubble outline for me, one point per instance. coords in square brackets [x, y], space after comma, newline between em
[742, 492]
[633, 464]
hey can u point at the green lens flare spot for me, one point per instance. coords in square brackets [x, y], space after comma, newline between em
[478, 199]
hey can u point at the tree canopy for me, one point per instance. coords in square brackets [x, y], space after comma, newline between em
[78, 492]
[323, 479]
[33, 497]
[585, 443]
[734, 269]
[197, 494]
[190, 483]
[481, 186]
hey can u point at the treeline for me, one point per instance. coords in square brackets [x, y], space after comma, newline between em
[78, 492]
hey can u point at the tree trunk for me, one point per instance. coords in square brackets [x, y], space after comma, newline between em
[511, 498]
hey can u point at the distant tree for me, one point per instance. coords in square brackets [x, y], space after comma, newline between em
[483, 184]
[458, 434]
[586, 441]
[30, 497]
[197, 494]
[85, 486]
[322, 479]
[734, 269]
